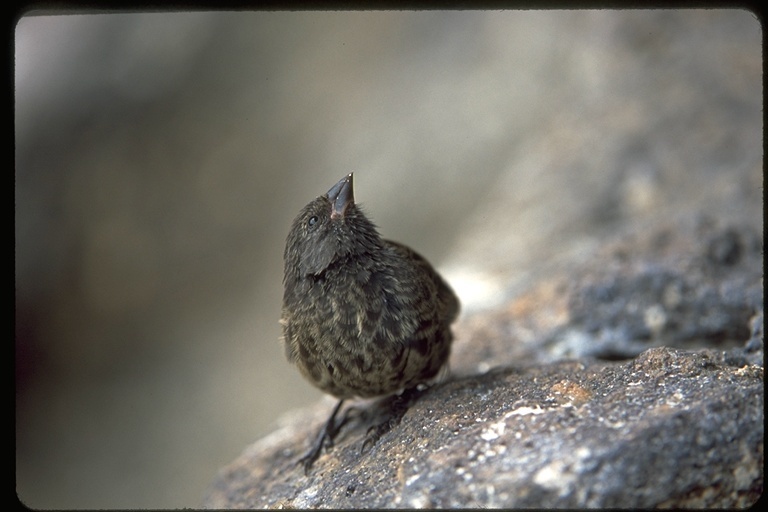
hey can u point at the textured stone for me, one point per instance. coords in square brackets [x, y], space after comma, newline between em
[669, 428]
[584, 391]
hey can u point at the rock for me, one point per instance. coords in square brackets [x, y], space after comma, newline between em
[670, 428]
[584, 391]
[652, 287]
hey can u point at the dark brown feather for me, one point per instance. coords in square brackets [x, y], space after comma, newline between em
[362, 316]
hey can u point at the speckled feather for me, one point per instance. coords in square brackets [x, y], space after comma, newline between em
[362, 316]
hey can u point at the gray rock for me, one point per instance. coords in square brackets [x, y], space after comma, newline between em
[549, 403]
[656, 286]
[670, 428]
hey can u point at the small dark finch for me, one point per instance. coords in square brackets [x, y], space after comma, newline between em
[362, 316]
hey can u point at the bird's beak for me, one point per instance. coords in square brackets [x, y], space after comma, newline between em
[341, 196]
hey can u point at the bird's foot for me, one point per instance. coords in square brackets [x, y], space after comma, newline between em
[398, 405]
[326, 437]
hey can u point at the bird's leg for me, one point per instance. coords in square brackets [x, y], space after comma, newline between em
[398, 405]
[327, 434]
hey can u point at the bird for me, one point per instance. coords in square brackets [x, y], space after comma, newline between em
[362, 316]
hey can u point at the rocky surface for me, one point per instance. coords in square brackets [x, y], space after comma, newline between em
[670, 428]
[689, 282]
[579, 392]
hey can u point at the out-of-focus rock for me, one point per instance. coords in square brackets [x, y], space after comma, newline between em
[693, 282]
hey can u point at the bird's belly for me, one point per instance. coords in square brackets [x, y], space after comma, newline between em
[345, 362]
[360, 340]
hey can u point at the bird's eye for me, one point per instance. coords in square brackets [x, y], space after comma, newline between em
[312, 221]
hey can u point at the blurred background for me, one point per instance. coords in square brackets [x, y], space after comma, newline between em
[160, 159]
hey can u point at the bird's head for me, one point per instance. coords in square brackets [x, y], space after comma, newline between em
[329, 228]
